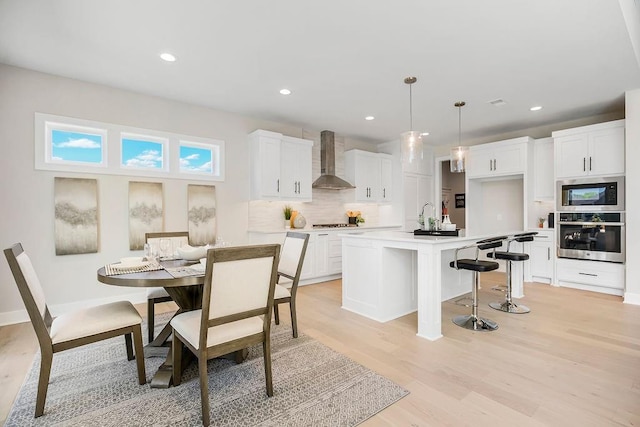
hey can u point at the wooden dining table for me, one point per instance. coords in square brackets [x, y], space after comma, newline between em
[185, 291]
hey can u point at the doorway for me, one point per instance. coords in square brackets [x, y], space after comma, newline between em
[450, 192]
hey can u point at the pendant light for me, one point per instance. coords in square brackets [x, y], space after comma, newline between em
[411, 141]
[459, 153]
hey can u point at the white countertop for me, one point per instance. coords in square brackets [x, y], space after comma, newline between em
[364, 228]
[409, 237]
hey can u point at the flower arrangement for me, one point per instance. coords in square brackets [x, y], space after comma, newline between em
[355, 217]
[287, 212]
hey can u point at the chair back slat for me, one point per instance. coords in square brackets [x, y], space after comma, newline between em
[31, 292]
[239, 283]
[177, 239]
[493, 242]
[292, 254]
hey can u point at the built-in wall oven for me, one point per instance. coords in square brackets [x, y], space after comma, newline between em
[591, 194]
[598, 236]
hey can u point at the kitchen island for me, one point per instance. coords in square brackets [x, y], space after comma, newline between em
[388, 274]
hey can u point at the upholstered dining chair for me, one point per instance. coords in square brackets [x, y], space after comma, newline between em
[236, 312]
[158, 295]
[73, 329]
[289, 269]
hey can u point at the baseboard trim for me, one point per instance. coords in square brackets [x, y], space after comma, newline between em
[630, 298]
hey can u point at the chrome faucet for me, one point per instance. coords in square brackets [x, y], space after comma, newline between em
[433, 215]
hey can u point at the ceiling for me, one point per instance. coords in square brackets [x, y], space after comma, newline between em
[344, 60]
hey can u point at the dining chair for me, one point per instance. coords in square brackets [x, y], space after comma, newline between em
[158, 295]
[289, 270]
[72, 329]
[236, 312]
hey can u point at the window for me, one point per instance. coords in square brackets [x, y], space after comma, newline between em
[67, 144]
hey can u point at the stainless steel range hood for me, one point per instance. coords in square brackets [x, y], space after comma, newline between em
[328, 179]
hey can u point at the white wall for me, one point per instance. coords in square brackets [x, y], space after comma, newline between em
[632, 154]
[27, 194]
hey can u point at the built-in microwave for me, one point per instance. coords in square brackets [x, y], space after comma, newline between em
[591, 194]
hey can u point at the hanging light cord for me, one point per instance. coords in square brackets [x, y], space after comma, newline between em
[410, 109]
[459, 123]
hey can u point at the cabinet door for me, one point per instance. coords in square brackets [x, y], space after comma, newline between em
[386, 180]
[322, 254]
[543, 169]
[606, 152]
[295, 169]
[309, 264]
[509, 159]
[479, 162]
[541, 259]
[571, 153]
[367, 173]
[268, 168]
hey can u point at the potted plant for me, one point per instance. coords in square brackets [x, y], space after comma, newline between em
[541, 221]
[287, 210]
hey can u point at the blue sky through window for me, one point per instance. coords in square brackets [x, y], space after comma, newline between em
[76, 146]
[139, 153]
[196, 159]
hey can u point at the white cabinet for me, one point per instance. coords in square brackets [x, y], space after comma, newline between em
[497, 158]
[541, 256]
[604, 277]
[322, 254]
[371, 173]
[596, 150]
[280, 167]
[418, 189]
[543, 169]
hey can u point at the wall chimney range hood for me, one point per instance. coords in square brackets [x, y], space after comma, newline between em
[328, 179]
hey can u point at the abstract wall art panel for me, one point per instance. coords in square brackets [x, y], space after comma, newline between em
[146, 213]
[76, 216]
[202, 214]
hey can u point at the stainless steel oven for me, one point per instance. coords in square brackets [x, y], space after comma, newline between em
[591, 194]
[598, 236]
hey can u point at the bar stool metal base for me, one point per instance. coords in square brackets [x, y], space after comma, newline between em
[479, 324]
[509, 307]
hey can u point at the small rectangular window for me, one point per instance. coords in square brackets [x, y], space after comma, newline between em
[142, 151]
[199, 158]
[71, 144]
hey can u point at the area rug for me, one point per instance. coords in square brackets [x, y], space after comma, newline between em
[95, 385]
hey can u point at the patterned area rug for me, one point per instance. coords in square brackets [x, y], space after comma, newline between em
[313, 386]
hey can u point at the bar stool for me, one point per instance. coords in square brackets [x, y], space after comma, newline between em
[508, 305]
[472, 321]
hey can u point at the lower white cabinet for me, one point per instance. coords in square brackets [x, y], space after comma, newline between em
[605, 277]
[541, 256]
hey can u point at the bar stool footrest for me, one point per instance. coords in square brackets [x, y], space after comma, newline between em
[509, 307]
[479, 324]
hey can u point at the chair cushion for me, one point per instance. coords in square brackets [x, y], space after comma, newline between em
[157, 293]
[281, 292]
[94, 320]
[475, 265]
[509, 256]
[188, 326]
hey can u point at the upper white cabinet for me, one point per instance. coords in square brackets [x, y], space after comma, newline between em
[543, 169]
[371, 173]
[280, 167]
[498, 158]
[594, 150]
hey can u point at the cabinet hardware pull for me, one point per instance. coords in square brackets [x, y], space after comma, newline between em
[584, 164]
[548, 254]
[324, 234]
[495, 164]
[384, 193]
[490, 164]
[590, 163]
[588, 274]
[278, 185]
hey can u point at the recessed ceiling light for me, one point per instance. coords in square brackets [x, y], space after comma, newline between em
[369, 118]
[424, 133]
[285, 92]
[536, 108]
[167, 57]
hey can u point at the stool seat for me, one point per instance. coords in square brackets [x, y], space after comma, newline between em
[509, 256]
[475, 265]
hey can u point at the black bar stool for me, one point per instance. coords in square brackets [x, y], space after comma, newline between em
[508, 305]
[472, 321]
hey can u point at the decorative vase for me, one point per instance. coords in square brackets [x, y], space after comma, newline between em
[287, 224]
[293, 218]
[352, 220]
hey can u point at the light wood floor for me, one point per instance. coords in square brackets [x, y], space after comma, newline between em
[573, 361]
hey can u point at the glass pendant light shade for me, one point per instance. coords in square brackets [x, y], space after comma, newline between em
[411, 144]
[458, 157]
[459, 153]
[411, 141]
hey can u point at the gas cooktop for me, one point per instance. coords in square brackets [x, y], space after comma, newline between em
[333, 225]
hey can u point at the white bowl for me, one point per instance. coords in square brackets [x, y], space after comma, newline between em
[191, 253]
[203, 261]
[449, 227]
